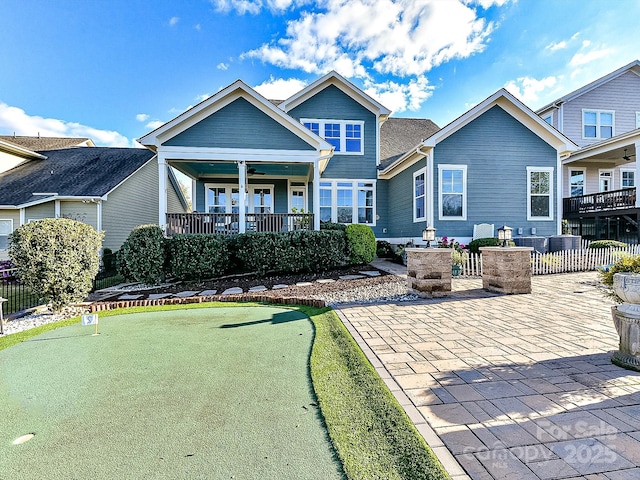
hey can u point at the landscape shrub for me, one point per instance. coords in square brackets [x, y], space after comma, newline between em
[143, 255]
[384, 249]
[474, 245]
[362, 244]
[109, 263]
[333, 226]
[625, 263]
[198, 256]
[607, 244]
[301, 250]
[58, 258]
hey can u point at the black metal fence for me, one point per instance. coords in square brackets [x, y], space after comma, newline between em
[18, 296]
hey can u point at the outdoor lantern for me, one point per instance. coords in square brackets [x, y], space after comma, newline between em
[428, 235]
[504, 234]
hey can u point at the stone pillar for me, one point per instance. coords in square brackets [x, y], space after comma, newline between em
[429, 271]
[628, 326]
[506, 269]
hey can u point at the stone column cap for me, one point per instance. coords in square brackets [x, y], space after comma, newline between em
[428, 250]
[506, 249]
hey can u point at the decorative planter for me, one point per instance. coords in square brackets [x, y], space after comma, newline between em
[456, 270]
[626, 318]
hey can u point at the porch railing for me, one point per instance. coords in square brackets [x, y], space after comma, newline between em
[597, 202]
[229, 223]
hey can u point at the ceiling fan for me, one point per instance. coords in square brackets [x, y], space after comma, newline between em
[253, 171]
[627, 157]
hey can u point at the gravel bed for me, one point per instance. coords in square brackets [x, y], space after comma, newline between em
[41, 318]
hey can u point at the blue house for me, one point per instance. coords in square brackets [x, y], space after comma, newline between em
[330, 153]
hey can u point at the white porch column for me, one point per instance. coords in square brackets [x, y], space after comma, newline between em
[56, 208]
[162, 192]
[316, 195]
[242, 180]
[194, 185]
[636, 177]
[22, 217]
[99, 215]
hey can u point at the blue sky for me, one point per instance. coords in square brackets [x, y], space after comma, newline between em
[113, 70]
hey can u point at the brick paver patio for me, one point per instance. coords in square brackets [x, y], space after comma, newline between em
[510, 387]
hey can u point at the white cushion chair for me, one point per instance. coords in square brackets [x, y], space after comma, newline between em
[483, 230]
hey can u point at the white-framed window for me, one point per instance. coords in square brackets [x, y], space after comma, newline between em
[347, 136]
[348, 201]
[627, 178]
[598, 124]
[221, 198]
[576, 182]
[539, 193]
[297, 198]
[548, 118]
[452, 180]
[605, 180]
[420, 195]
[6, 229]
[637, 119]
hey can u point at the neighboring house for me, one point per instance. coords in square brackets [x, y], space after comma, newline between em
[112, 189]
[498, 163]
[603, 118]
[332, 150]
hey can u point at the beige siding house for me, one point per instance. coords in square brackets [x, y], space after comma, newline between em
[111, 189]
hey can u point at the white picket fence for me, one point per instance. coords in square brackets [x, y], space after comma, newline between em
[561, 262]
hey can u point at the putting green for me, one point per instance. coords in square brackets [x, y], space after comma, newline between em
[216, 393]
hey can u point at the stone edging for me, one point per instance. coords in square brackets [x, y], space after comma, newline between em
[245, 297]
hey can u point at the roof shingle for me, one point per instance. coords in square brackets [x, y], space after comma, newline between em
[45, 143]
[399, 135]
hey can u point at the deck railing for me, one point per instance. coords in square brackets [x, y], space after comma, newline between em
[228, 223]
[597, 202]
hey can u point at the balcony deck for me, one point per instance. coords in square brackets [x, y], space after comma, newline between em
[228, 223]
[624, 199]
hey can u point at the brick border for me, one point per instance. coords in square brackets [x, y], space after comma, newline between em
[241, 298]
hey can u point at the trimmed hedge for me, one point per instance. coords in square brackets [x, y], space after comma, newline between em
[143, 255]
[362, 243]
[198, 256]
[474, 245]
[384, 249]
[58, 258]
[298, 251]
[607, 244]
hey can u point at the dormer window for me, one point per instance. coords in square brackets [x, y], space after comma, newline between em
[347, 136]
[597, 124]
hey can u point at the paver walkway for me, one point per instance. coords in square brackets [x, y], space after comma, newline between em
[511, 387]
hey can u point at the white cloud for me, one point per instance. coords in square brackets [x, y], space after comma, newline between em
[528, 89]
[142, 117]
[486, 4]
[406, 37]
[197, 26]
[222, 66]
[553, 46]
[154, 124]
[399, 97]
[255, 6]
[14, 119]
[582, 58]
[200, 98]
[173, 21]
[279, 88]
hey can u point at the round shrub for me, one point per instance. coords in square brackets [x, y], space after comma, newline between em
[474, 245]
[143, 255]
[607, 244]
[362, 243]
[58, 258]
[197, 256]
[624, 263]
[384, 249]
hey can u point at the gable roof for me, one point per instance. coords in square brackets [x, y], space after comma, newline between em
[334, 78]
[224, 97]
[70, 172]
[47, 143]
[399, 135]
[19, 151]
[513, 107]
[633, 67]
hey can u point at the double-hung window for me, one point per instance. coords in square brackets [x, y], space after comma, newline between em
[597, 124]
[452, 180]
[539, 193]
[577, 183]
[347, 201]
[346, 136]
[420, 195]
[6, 228]
[627, 178]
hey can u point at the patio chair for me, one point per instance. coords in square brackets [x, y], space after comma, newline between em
[483, 230]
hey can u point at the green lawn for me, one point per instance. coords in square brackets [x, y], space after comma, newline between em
[75, 391]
